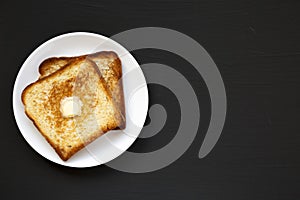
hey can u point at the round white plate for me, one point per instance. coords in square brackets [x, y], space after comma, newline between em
[111, 144]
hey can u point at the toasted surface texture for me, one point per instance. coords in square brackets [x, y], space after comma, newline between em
[110, 67]
[79, 78]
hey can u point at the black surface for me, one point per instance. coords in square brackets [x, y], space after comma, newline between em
[255, 44]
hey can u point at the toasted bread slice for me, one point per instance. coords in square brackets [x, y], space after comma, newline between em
[92, 111]
[110, 67]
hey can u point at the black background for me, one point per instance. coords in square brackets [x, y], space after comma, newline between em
[255, 44]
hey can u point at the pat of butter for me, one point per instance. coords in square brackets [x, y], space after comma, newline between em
[70, 106]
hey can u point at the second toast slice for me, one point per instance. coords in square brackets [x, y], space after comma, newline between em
[110, 67]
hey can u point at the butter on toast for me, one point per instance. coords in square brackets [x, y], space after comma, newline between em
[71, 107]
[110, 67]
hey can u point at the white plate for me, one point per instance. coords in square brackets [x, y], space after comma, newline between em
[108, 146]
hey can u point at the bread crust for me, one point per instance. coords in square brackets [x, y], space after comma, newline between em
[72, 151]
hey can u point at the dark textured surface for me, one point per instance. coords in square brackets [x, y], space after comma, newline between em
[256, 46]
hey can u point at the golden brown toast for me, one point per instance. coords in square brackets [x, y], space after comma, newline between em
[110, 67]
[71, 107]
